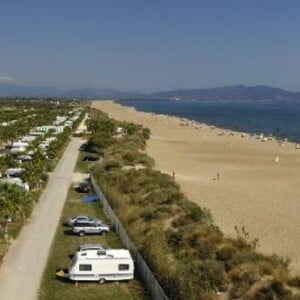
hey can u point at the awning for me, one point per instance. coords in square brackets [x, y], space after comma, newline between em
[90, 198]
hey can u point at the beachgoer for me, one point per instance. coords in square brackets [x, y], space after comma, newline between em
[173, 174]
[218, 176]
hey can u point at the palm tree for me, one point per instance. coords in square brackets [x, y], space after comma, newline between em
[14, 202]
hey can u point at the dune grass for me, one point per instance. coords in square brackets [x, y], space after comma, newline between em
[65, 244]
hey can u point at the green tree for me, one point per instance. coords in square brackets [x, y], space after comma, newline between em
[14, 203]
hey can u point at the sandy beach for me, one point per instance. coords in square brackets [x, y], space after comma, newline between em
[243, 180]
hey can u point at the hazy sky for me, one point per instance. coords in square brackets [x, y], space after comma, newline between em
[150, 45]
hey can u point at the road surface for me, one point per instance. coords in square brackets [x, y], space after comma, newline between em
[23, 265]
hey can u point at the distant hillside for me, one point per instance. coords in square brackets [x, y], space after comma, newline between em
[237, 92]
[12, 90]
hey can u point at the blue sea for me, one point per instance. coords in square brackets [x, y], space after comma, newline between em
[281, 119]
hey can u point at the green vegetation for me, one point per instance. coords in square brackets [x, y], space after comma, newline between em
[66, 244]
[188, 253]
[21, 116]
[83, 166]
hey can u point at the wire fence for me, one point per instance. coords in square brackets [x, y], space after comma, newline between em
[141, 267]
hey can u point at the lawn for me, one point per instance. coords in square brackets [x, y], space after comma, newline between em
[65, 244]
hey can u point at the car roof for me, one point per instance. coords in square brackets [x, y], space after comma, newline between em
[90, 246]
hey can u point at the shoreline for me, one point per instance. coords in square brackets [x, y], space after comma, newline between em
[257, 134]
[257, 186]
[183, 121]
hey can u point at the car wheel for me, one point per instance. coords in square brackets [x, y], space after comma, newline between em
[101, 280]
[81, 233]
[104, 233]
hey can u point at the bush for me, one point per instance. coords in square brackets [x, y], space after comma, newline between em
[45, 177]
[271, 290]
[294, 281]
[226, 252]
[196, 213]
[129, 158]
[243, 277]
[204, 277]
[112, 164]
[146, 133]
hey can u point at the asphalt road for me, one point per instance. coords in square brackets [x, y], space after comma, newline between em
[22, 268]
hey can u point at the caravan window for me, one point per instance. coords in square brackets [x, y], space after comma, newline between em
[123, 267]
[85, 267]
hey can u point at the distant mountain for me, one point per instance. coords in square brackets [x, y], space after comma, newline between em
[236, 92]
[12, 90]
[92, 93]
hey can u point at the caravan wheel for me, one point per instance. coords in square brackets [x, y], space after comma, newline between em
[101, 280]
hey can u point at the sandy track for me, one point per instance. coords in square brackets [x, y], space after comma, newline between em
[253, 190]
[22, 268]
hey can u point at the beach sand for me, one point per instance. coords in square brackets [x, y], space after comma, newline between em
[258, 185]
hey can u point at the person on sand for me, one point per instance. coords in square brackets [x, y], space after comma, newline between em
[173, 174]
[218, 176]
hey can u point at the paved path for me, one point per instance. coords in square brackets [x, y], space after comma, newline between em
[22, 268]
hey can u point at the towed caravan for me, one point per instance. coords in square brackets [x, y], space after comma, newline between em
[100, 265]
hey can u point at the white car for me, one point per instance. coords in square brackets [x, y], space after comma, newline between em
[81, 228]
[86, 219]
[90, 247]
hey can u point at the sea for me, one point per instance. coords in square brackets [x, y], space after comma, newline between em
[281, 119]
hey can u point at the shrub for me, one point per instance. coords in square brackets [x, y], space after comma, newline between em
[271, 290]
[148, 215]
[246, 256]
[243, 239]
[44, 176]
[196, 213]
[145, 160]
[146, 133]
[204, 277]
[226, 252]
[294, 281]
[129, 158]
[112, 164]
[243, 277]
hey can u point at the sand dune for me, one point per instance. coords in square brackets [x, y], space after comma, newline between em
[258, 186]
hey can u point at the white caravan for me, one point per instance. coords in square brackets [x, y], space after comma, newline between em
[100, 265]
[19, 144]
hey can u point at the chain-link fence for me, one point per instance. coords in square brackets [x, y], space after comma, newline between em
[141, 267]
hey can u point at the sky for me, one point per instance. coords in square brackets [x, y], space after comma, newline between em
[150, 45]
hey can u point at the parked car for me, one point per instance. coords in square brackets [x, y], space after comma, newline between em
[90, 158]
[90, 247]
[87, 219]
[82, 228]
[83, 147]
[84, 187]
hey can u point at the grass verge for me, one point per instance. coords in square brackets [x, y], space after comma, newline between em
[65, 244]
[84, 166]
